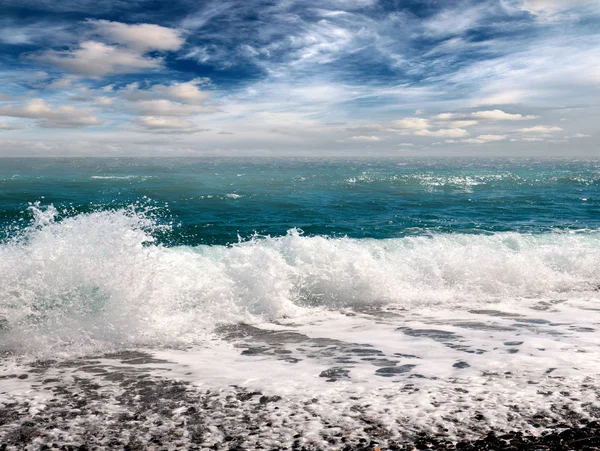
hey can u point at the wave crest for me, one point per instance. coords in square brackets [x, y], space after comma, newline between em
[98, 281]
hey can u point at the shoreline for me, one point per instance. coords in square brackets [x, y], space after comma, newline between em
[87, 404]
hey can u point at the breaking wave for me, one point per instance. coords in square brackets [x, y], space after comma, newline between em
[98, 281]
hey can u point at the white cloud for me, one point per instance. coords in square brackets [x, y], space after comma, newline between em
[365, 128]
[505, 97]
[69, 121]
[527, 139]
[499, 115]
[454, 21]
[422, 127]
[538, 6]
[188, 92]
[365, 138]
[552, 71]
[490, 115]
[453, 119]
[48, 117]
[104, 101]
[321, 43]
[551, 7]
[160, 107]
[36, 108]
[165, 123]
[540, 129]
[411, 123]
[26, 32]
[578, 135]
[163, 107]
[10, 127]
[314, 107]
[481, 139]
[488, 138]
[199, 19]
[142, 37]
[443, 133]
[116, 48]
[47, 82]
[554, 11]
[97, 59]
[461, 124]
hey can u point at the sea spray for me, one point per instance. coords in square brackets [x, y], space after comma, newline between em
[99, 281]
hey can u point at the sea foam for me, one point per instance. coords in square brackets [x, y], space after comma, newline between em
[98, 281]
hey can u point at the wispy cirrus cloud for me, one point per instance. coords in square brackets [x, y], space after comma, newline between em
[555, 10]
[18, 32]
[544, 72]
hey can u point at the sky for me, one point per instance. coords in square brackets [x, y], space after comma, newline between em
[299, 77]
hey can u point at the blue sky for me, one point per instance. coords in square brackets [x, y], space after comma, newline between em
[299, 77]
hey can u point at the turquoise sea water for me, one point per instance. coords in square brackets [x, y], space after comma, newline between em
[212, 201]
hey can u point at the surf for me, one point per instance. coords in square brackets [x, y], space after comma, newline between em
[96, 281]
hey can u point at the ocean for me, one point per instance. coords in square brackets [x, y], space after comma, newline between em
[223, 303]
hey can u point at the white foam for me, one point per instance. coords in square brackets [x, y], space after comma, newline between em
[119, 177]
[542, 369]
[98, 281]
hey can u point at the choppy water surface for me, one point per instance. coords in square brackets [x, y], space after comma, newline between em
[214, 200]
